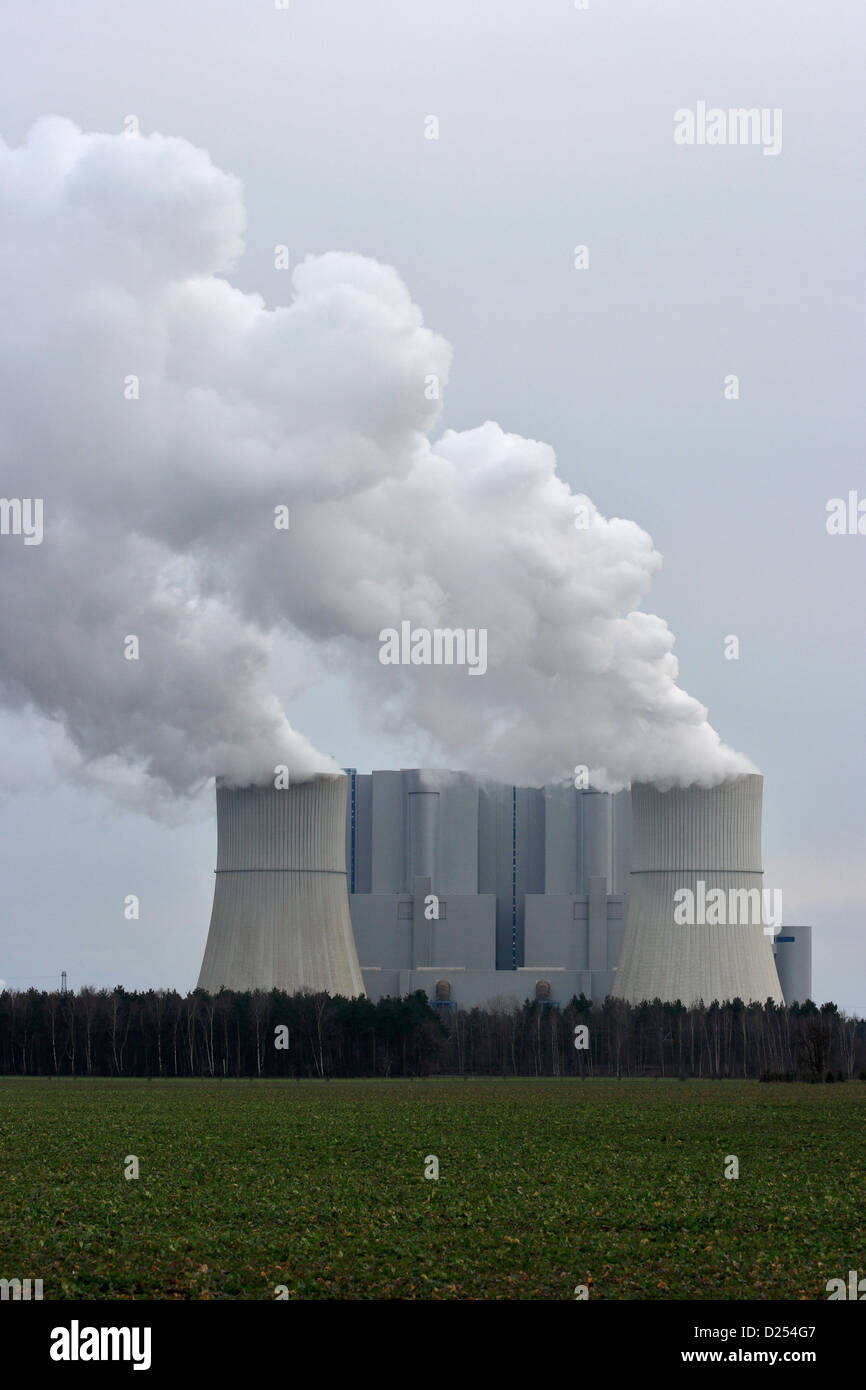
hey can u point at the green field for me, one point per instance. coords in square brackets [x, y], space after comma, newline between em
[319, 1186]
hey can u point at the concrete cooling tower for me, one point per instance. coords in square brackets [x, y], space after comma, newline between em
[280, 915]
[697, 839]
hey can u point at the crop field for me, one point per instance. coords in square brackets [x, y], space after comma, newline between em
[318, 1188]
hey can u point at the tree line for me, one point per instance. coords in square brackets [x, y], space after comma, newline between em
[160, 1033]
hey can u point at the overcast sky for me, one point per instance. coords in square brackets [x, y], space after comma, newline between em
[555, 129]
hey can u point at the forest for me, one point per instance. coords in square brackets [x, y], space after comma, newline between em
[161, 1033]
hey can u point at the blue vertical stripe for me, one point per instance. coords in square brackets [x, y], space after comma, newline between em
[513, 878]
[352, 870]
[350, 773]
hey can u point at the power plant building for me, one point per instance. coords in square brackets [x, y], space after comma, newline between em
[475, 891]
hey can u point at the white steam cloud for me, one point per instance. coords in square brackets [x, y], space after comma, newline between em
[159, 511]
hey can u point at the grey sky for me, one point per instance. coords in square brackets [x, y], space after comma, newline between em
[556, 128]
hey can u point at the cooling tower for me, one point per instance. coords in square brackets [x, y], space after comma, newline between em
[697, 839]
[280, 915]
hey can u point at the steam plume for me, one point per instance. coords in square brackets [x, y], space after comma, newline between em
[159, 511]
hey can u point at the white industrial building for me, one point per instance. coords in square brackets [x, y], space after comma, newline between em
[527, 883]
[537, 889]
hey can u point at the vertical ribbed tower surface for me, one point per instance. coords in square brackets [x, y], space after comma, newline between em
[679, 837]
[280, 915]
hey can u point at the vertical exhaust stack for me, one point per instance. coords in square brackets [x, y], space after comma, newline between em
[681, 838]
[280, 915]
